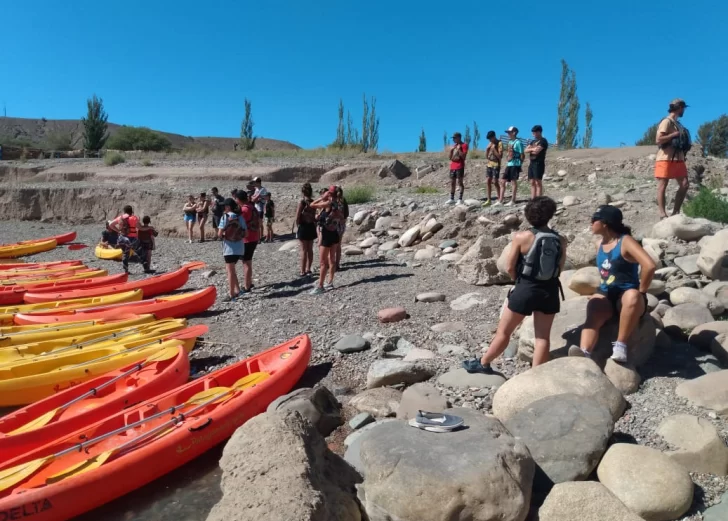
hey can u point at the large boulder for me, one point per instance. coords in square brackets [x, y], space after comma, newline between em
[409, 237]
[705, 337]
[624, 376]
[719, 290]
[566, 434]
[421, 397]
[713, 258]
[565, 279]
[398, 169]
[393, 372]
[688, 264]
[582, 251]
[585, 281]
[319, 406]
[502, 262]
[480, 272]
[571, 375]
[584, 501]
[686, 295]
[709, 391]
[480, 473]
[647, 481]
[380, 402]
[467, 301]
[480, 250]
[566, 332]
[275, 452]
[683, 318]
[697, 445]
[683, 227]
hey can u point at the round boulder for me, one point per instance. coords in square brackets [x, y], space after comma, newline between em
[585, 281]
[683, 318]
[584, 501]
[686, 295]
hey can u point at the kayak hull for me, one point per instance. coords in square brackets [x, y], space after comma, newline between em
[63, 238]
[108, 253]
[197, 433]
[151, 380]
[10, 295]
[36, 265]
[20, 250]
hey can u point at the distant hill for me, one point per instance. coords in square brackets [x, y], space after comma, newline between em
[36, 133]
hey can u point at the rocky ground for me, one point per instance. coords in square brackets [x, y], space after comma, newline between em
[375, 277]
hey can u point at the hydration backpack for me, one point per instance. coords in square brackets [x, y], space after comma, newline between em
[308, 214]
[123, 225]
[543, 259]
[233, 231]
[254, 224]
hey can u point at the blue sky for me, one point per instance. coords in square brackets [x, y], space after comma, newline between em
[186, 66]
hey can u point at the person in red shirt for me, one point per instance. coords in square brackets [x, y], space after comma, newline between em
[252, 222]
[458, 153]
[127, 226]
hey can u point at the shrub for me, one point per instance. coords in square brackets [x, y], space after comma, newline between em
[138, 138]
[60, 141]
[147, 162]
[359, 194]
[426, 190]
[113, 158]
[708, 206]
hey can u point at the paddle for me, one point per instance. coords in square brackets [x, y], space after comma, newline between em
[196, 265]
[41, 421]
[14, 475]
[75, 247]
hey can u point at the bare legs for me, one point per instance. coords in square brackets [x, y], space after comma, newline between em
[514, 187]
[232, 278]
[190, 229]
[306, 256]
[633, 307]
[536, 188]
[542, 328]
[682, 189]
[508, 323]
[324, 264]
[203, 221]
[247, 274]
[598, 311]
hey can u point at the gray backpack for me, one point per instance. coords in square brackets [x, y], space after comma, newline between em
[543, 260]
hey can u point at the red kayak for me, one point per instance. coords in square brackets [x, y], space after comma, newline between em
[11, 295]
[173, 306]
[84, 404]
[91, 466]
[63, 238]
[38, 265]
[151, 287]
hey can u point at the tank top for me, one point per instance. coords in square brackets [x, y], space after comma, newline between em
[616, 272]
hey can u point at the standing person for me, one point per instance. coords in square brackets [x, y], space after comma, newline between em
[258, 199]
[269, 212]
[458, 153]
[674, 142]
[306, 222]
[232, 231]
[190, 212]
[218, 208]
[536, 259]
[252, 223]
[494, 154]
[342, 226]
[203, 212]
[513, 168]
[537, 166]
[626, 271]
[126, 226]
[329, 223]
[147, 233]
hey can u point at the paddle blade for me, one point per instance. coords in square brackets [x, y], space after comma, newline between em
[250, 380]
[37, 423]
[193, 266]
[14, 475]
[209, 394]
[81, 467]
[165, 354]
[75, 247]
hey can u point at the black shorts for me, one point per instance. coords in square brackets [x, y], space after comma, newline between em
[147, 245]
[457, 174]
[492, 172]
[109, 237]
[512, 173]
[536, 170]
[306, 232]
[232, 259]
[329, 238]
[527, 297]
[216, 221]
[249, 251]
[614, 296]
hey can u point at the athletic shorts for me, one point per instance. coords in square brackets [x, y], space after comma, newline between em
[216, 221]
[614, 296]
[536, 171]
[457, 174]
[306, 232]
[249, 251]
[512, 173]
[147, 245]
[329, 238]
[232, 259]
[527, 297]
[269, 221]
[670, 169]
[190, 218]
[492, 172]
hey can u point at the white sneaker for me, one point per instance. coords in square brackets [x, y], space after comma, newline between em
[450, 201]
[509, 203]
[497, 203]
[189, 241]
[460, 202]
[619, 353]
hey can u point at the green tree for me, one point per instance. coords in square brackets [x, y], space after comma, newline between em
[649, 138]
[713, 137]
[340, 132]
[365, 124]
[95, 125]
[373, 126]
[247, 138]
[589, 132]
[138, 138]
[350, 138]
[444, 139]
[423, 142]
[567, 118]
[476, 135]
[467, 138]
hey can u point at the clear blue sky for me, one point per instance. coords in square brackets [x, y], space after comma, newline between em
[186, 66]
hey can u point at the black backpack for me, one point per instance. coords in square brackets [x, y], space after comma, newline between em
[543, 260]
[682, 143]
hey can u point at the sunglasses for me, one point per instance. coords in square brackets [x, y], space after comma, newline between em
[595, 219]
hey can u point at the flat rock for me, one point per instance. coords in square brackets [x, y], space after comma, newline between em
[688, 264]
[449, 327]
[682, 227]
[353, 445]
[704, 335]
[566, 435]
[451, 257]
[647, 481]
[449, 475]
[397, 347]
[431, 296]
[461, 379]
[584, 501]
[585, 281]
[698, 446]
[318, 405]
[572, 375]
[427, 253]
[369, 242]
[453, 350]
[472, 202]
[450, 243]
[351, 344]
[360, 420]
[389, 246]
[449, 250]
[380, 402]
[289, 246]
[392, 315]
[717, 512]
[709, 391]
[410, 236]
[570, 200]
[393, 372]
[419, 354]
[685, 295]
[467, 301]
[383, 223]
[713, 259]
[623, 376]
[682, 319]
[352, 250]
[421, 397]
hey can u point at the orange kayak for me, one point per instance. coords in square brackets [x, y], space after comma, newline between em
[63, 238]
[17, 266]
[151, 287]
[131, 448]
[14, 294]
[79, 406]
[173, 306]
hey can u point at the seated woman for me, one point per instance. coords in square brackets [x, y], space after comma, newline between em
[619, 260]
[109, 237]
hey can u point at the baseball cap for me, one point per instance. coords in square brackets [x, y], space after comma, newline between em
[537, 128]
[678, 102]
[257, 180]
[609, 215]
[490, 134]
[457, 134]
[332, 189]
[512, 129]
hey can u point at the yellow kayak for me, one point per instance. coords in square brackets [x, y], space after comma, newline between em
[18, 274]
[18, 335]
[62, 277]
[107, 253]
[19, 250]
[27, 383]
[62, 346]
[7, 313]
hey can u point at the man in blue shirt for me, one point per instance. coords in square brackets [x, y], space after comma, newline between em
[513, 169]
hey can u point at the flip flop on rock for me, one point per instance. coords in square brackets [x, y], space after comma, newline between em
[436, 421]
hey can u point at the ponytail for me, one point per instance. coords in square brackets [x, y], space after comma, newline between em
[622, 229]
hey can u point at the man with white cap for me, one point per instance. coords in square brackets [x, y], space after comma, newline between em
[258, 198]
[515, 157]
[674, 142]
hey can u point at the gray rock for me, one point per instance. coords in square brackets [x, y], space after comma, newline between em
[419, 354]
[481, 272]
[682, 227]
[367, 224]
[698, 446]
[688, 264]
[389, 246]
[623, 376]
[421, 397]
[352, 251]
[317, 405]
[709, 391]
[397, 347]
[584, 501]
[717, 512]
[353, 444]
[453, 350]
[427, 253]
[461, 379]
[682, 319]
[450, 243]
[467, 301]
[451, 257]
[360, 420]
[448, 250]
[391, 372]
[685, 295]
[380, 402]
[566, 435]
[351, 344]
[449, 327]
[209, 274]
[431, 296]
[713, 258]
[402, 463]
